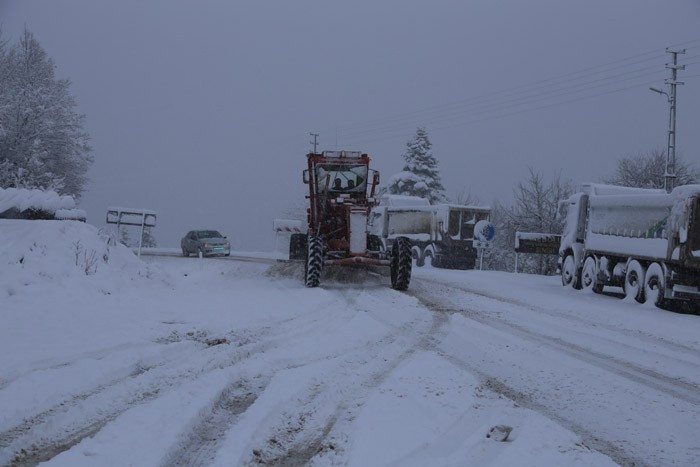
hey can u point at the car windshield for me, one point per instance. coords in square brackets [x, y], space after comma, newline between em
[342, 178]
[209, 234]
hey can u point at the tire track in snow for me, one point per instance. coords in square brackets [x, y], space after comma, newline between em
[590, 440]
[294, 443]
[692, 352]
[202, 442]
[678, 389]
[682, 389]
[97, 354]
[58, 432]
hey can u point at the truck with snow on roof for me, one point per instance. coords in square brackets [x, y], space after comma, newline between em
[646, 241]
[442, 234]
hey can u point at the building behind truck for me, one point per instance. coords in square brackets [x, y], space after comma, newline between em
[442, 234]
[646, 241]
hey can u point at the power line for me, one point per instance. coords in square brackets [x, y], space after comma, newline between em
[493, 100]
[396, 132]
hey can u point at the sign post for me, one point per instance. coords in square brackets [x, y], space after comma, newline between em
[536, 243]
[484, 231]
[130, 216]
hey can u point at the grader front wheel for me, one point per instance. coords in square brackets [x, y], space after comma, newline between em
[314, 262]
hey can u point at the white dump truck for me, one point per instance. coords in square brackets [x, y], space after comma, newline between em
[646, 241]
[442, 234]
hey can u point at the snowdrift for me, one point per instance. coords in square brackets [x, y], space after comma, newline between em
[55, 253]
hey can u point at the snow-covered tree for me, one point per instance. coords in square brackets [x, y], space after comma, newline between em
[420, 176]
[42, 140]
[647, 170]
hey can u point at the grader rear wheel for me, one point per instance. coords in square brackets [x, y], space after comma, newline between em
[401, 263]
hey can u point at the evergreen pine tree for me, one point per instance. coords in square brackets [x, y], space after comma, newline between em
[420, 176]
[124, 237]
[148, 240]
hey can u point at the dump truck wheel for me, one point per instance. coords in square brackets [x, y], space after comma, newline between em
[634, 281]
[401, 263]
[420, 257]
[589, 276]
[568, 272]
[314, 262]
[655, 284]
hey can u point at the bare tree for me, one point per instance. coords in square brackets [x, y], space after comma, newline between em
[467, 198]
[534, 210]
[646, 170]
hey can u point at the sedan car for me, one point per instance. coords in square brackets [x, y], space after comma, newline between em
[206, 242]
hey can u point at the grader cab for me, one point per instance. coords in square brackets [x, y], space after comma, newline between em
[341, 195]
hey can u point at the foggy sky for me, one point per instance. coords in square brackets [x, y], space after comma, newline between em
[202, 111]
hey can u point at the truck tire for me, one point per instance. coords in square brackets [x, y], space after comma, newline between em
[297, 246]
[589, 275]
[314, 262]
[634, 281]
[401, 263]
[568, 272]
[655, 285]
[416, 254]
[429, 256]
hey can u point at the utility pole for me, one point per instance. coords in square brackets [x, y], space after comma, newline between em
[315, 141]
[670, 175]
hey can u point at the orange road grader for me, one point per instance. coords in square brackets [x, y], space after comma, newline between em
[340, 198]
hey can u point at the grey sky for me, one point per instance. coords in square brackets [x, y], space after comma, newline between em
[202, 110]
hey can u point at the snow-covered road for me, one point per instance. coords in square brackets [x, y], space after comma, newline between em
[625, 377]
[182, 361]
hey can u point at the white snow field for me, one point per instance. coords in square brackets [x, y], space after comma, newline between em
[171, 361]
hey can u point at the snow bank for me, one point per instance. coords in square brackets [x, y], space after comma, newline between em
[38, 254]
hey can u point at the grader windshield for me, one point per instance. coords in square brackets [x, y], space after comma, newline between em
[342, 178]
